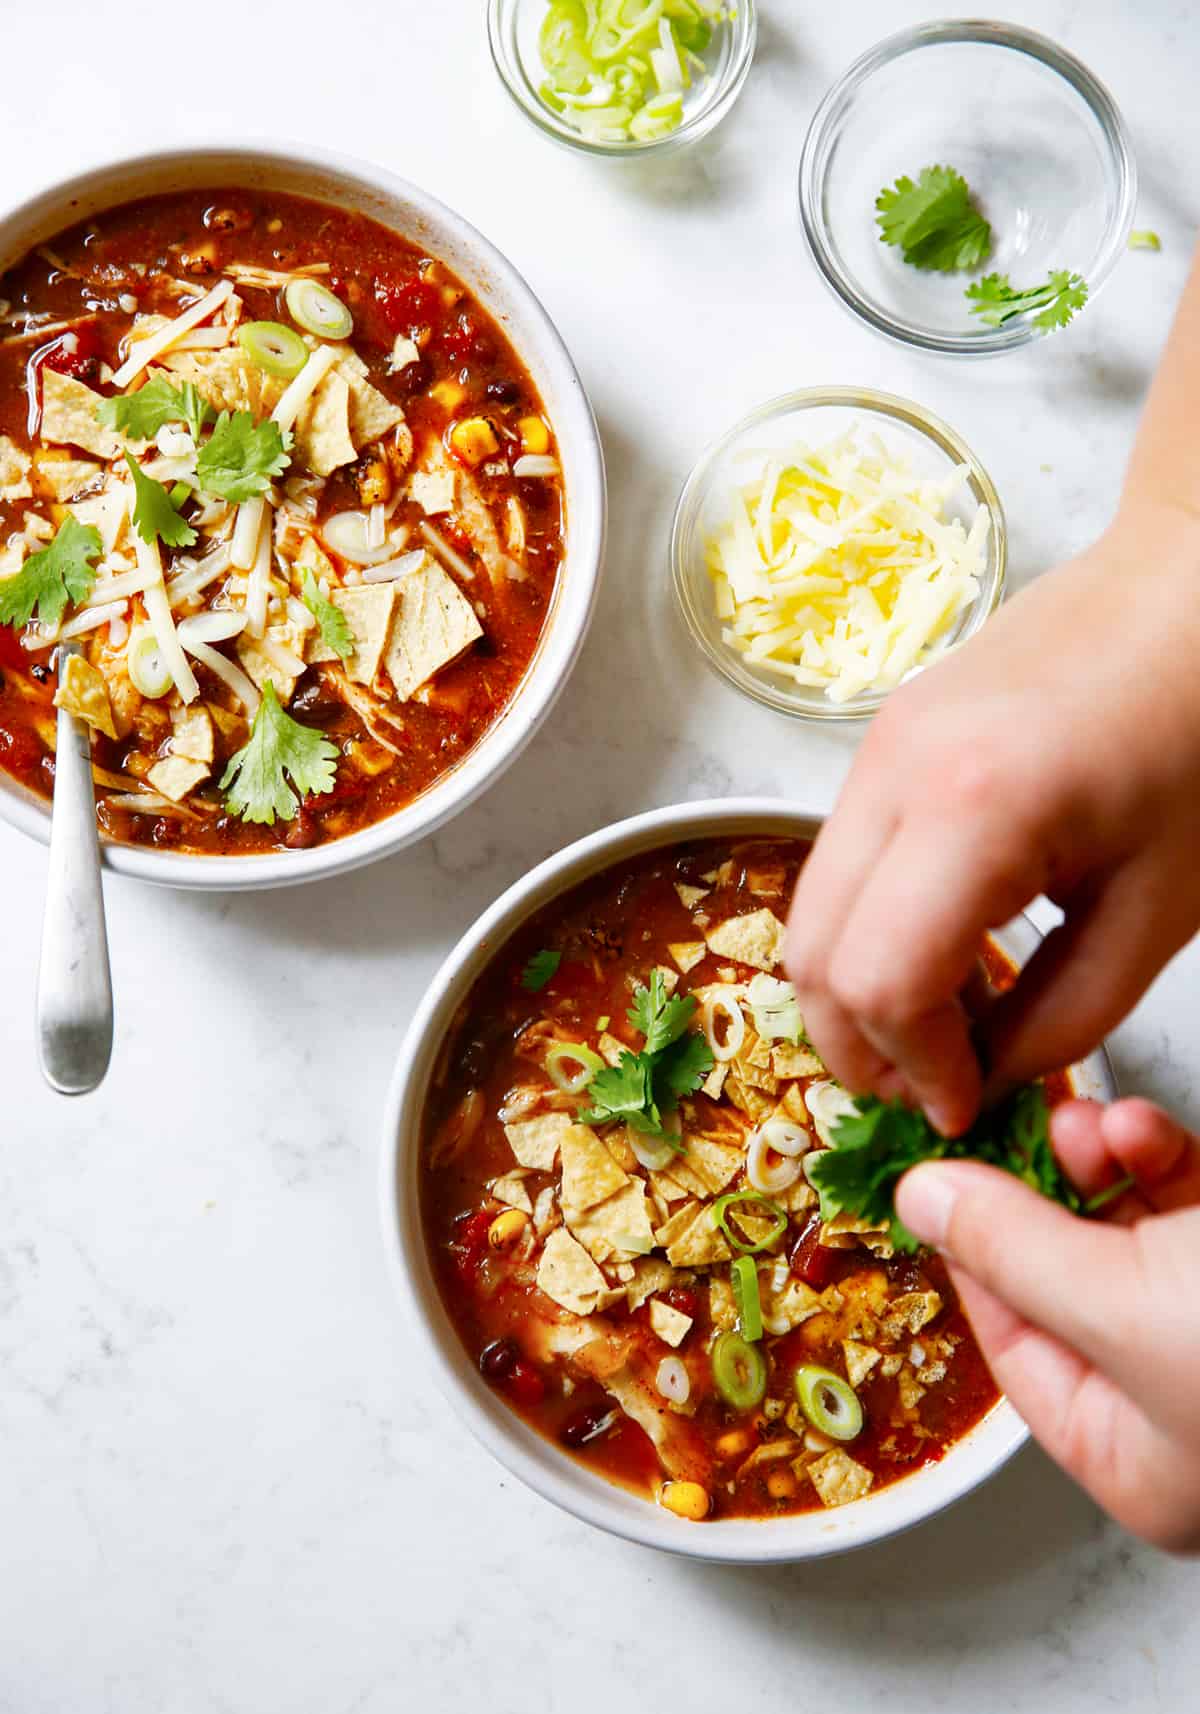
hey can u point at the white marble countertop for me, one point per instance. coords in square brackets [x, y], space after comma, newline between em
[225, 1488]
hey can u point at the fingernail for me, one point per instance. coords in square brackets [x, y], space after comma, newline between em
[925, 1201]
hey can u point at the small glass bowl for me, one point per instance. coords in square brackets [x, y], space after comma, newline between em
[815, 415]
[513, 28]
[1038, 139]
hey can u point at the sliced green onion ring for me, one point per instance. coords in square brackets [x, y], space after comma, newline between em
[273, 347]
[724, 1026]
[561, 1056]
[744, 1278]
[739, 1370]
[146, 664]
[751, 1202]
[830, 1403]
[314, 307]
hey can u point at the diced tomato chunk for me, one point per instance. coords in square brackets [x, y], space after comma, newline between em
[406, 304]
[812, 1261]
[76, 354]
[524, 1385]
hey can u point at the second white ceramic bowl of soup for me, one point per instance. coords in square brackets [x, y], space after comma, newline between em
[537, 1461]
[395, 203]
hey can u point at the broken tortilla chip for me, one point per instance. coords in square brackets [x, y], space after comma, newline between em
[535, 1142]
[756, 939]
[69, 416]
[175, 776]
[15, 465]
[568, 1275]
[690, 897]
[192, 734]
[838, 1478]
[510, 1189]
[434, 625]
[617, 1227]
[589, 1173]
[322, 432]
[671, 1325]
[700, 1244]
[82, 691]
[688, 953]
[368, 608]
[64, 477]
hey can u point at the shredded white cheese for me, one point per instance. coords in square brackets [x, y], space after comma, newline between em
[147, 350]
[839, 568]
[258, 585]
[158, 612]
[300, 391]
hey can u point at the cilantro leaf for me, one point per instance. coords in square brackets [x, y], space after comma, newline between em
[877, 1143]
[140, 415]
[240, 456]
[56, 574]
[934, 222]
[621, 1091]
[996, 301]
[671, 1064]
[155, 516]
[682, 1069]
[282, 762]
[331, 621]
[540, 969]
[661, 1020]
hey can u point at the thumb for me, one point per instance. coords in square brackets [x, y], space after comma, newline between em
[1078, 1280]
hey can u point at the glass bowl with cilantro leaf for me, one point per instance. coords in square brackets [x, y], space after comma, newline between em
[623, 78]
[966, 187]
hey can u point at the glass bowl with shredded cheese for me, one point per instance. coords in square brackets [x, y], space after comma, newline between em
[831, 545]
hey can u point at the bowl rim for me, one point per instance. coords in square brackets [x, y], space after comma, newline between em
[895, 408]
[985, 32]
[511, 1441]
[699, 125]
[539, 344]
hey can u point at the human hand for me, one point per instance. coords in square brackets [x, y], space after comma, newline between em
[1057, 753]
[1090, 1326]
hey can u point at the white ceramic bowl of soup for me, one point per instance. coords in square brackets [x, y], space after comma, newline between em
[395, 203]
[541, 1464]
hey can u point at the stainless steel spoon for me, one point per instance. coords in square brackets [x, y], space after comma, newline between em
[74, 997]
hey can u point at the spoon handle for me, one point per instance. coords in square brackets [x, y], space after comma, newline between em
[74, 997]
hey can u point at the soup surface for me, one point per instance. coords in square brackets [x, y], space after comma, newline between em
[293, 495]
[603, 1275]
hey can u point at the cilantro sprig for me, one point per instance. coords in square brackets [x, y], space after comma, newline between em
[877, 1143]
[241, 457]
[673, 1062]
[156, 516]
[933, 221]
[331, 621]
[58, 573]
[995, 300]
[282, 763]
[140, 415]
[540, 969]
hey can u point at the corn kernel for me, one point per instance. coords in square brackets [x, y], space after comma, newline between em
[506, 1228]
[685, 1499]
[781, 1485]
[535, 436]
[448, 394]
[734, 1444]
[474, 439]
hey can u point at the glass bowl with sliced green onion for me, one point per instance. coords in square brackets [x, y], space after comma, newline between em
[833, 544]
[623, 78]
[966, 187]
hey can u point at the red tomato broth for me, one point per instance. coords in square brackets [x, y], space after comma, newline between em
[391, 286]
[610, 928]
